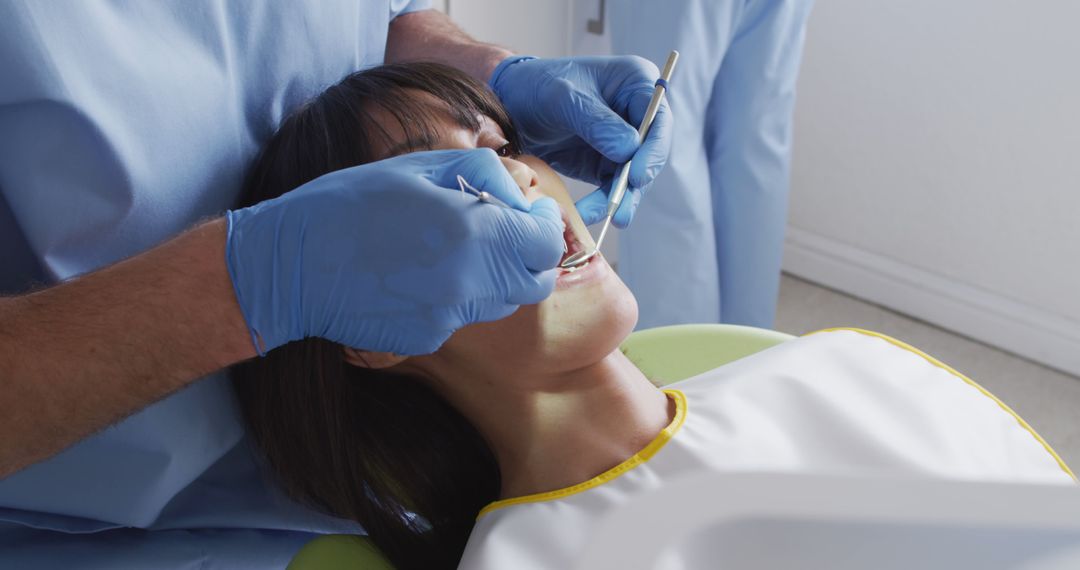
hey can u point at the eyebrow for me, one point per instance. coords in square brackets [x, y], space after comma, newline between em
[424, 143]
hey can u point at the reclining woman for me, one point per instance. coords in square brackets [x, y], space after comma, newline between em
[537, 423]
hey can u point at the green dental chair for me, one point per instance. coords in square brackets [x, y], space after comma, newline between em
[664, 354]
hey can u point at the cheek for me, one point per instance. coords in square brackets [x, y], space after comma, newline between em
[570, 329]
[517, 338]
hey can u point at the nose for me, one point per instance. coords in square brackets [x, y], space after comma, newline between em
[526, 177]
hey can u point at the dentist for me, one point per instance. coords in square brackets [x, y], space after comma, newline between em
[125, 129]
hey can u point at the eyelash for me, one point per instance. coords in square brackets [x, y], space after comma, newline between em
[508, 150]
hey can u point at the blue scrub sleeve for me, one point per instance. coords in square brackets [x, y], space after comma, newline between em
[399, 7]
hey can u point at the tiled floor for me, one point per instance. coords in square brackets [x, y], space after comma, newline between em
[1047, 399]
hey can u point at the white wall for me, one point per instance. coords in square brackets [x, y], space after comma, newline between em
[525, 26]
[937, 165]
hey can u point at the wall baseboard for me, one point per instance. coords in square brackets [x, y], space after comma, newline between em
[982, 315]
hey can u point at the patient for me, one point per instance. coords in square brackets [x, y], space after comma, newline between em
[540, 413]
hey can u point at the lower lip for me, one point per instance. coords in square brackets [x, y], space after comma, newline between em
[595, 269]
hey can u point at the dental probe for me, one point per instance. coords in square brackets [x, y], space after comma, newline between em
[618, 189]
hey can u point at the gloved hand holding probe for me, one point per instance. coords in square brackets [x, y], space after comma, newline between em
[386, 257]
[581, 114]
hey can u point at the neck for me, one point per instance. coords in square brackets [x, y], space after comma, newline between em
[581, 423]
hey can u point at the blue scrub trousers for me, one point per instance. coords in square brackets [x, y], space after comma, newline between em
[706, 244]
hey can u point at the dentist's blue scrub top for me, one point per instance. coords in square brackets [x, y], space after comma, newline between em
[122, 124]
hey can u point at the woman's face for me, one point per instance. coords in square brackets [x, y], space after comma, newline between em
[590, 311]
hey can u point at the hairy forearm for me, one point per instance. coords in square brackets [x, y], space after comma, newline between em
[429, 35]
[80, 356]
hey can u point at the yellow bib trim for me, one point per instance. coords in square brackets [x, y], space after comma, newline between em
[637, 459]
[972, 383]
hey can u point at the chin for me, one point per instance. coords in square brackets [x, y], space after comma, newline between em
[585, 321]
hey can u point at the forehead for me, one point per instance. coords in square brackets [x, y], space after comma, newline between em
[421, 121]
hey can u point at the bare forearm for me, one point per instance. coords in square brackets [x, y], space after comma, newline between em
[431, 36]
[82, 355]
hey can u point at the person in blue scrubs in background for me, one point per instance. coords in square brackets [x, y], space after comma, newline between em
[708, 246]
[125, 130]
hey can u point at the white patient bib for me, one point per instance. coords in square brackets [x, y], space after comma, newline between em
[836, 402]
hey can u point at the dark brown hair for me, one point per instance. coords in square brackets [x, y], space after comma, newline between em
[373, 446]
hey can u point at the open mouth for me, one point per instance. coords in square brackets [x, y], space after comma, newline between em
[571, 246]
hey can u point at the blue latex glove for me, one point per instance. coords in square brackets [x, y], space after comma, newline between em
[391, 256]
[581, 115]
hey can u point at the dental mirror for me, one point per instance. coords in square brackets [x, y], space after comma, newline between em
[579, 258]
